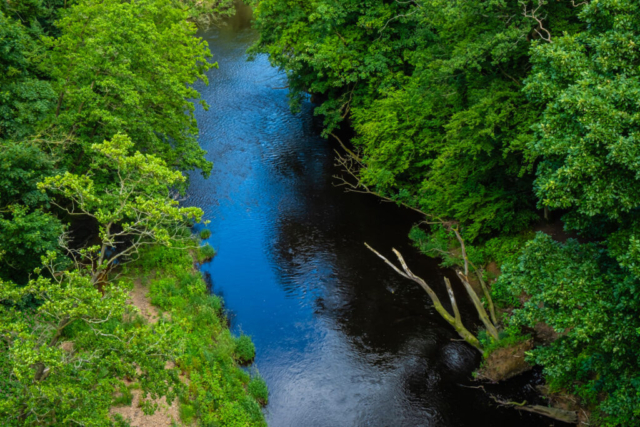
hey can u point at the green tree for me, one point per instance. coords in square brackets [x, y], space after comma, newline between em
[589, 134]
[128, 67]
[49, 381]
[594, 305]
[434, 92]
[25, 96]
[27, 229]
[129, 196]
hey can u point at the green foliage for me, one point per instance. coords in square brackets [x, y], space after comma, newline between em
[206, 253]
[205, 234]
[73, 74]
[219, 392]
[24, 238]
[124, 396]
[128, 195]
[45, 382]
[433, 89]
[588, 135]
[186, 413]
[593, 303]
[37, 16]
[22, 166]
[27, 231]
[128, 67]
[244, 349]
[25, 97]
[258, 389]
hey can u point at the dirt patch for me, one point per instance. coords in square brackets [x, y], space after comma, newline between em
[138, 298]
[556, 230]
[506, 362]
[493, 270]
[544, 333]
[166, 415]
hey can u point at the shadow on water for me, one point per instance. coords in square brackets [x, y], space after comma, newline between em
[341, 339]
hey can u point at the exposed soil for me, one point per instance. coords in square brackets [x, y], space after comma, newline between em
[505, 363]
[166, 415]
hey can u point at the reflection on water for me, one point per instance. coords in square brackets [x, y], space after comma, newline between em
[341, 340]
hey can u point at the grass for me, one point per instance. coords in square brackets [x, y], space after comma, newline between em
[219, 391]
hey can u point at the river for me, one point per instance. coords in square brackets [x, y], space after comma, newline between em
[341, 339]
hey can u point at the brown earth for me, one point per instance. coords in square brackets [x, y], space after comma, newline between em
[166, 415]
[505, 363]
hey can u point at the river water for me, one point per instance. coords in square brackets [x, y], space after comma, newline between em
[341, 339]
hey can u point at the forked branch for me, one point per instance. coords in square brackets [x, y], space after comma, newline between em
[454, 320]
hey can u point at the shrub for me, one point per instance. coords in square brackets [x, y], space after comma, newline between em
[258, 389]
[206, 253]
[244, 351]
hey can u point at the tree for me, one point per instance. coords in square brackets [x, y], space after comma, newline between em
[46, 381]
[593, 304]
[129, 196]
[129, 67]
[25, 95]
[589, 134]
[27, 229]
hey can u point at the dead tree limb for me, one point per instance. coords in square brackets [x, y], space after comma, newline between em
[487, 295]
[454, 320]
[554, 413]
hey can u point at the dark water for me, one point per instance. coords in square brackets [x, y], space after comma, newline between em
[341, 339]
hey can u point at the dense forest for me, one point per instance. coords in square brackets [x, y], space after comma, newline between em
[497, 120]
[96, 131]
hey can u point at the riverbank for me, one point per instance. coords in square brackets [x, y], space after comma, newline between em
[170, 292]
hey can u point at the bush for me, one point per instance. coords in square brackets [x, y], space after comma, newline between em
[124, 397]
[258, 389]
[187, 412]
[593, 304]
[206, 253]
[244, 351]
[205, 234]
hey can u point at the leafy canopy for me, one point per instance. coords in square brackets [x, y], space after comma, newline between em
[128, 67]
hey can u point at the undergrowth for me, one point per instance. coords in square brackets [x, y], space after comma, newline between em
[218, 392]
